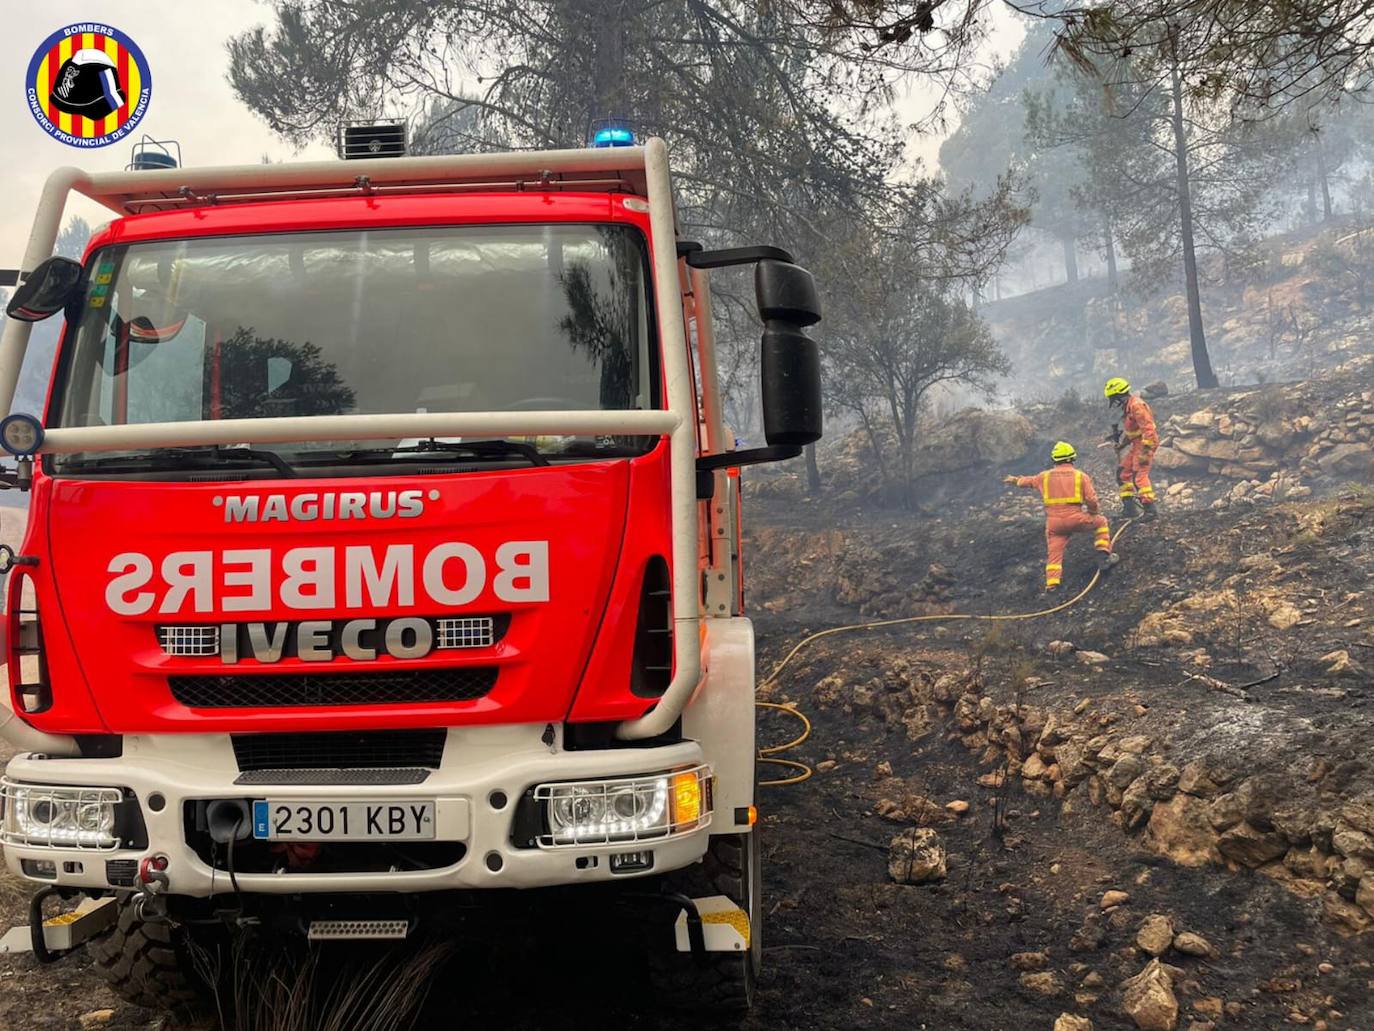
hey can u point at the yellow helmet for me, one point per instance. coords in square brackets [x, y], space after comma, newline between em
[1117, 387]
[1063, 453]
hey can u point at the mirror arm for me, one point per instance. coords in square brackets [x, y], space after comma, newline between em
[752, 456]
[736, 256]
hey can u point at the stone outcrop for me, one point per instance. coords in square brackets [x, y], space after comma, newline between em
[1270, 441]
[1198, 815]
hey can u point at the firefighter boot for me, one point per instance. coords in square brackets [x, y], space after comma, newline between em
[1151, 511]
[1107, 560]
[1130, 508]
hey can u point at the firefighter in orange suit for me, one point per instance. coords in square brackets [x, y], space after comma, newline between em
[1070, 507]
[1136, 441]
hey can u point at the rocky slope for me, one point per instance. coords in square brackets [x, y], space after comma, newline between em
[1207, 707]
[1294, 307]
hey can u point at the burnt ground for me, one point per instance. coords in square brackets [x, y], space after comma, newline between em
[848, 948]
[896, 956]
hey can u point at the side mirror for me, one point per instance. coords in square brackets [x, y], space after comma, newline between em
[790, 361]
[48, 289]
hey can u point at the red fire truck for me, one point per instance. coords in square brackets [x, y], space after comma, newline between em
[384, 546]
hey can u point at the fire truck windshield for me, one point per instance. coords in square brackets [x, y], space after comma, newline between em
[463, 318]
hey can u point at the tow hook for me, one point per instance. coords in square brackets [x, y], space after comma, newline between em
[150, 904]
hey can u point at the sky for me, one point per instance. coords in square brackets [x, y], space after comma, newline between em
[192, 101]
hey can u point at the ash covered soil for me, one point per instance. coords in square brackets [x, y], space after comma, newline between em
[1195, 734]
[891, 752]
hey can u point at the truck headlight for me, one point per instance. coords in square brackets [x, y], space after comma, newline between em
[51, 816]
[628, 809]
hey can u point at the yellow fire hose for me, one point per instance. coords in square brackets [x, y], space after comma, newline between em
[803, 772]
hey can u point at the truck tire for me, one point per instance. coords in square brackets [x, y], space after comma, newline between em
[719, 982]
[150, 964]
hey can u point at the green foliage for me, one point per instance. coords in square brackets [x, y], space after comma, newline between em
[901, 328]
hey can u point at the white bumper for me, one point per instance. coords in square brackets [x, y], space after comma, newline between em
[478, 762]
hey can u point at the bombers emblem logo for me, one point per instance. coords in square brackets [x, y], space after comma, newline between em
[88, 85]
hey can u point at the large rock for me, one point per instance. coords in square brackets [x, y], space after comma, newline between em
[1349, 842]
[1148, 999]
[1156, 934]
[1136, 802]
[1044, 982]
[1179, 829]
[1073, 766]
[1359, 815]
[1196, 779]
[1126, 770]
[917, 857]
[1250, 846]
[1172, 458]
[1190, 943]
[975, 437]
[1355, 461]
[1346, 917]
[1212, 448]
[1364, 895]
[1069, 1022]
[1277, 435]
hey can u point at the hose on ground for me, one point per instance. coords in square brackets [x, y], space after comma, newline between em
[771, 754]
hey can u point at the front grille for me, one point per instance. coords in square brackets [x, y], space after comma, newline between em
[340, 750]
[291, 690]
[189, 640]
[322, 778]
[464, 632]
[199, 640]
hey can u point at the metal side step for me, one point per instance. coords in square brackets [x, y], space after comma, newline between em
[358, 930]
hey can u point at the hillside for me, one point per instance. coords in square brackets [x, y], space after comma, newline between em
[1292, 307]
[1193, 734]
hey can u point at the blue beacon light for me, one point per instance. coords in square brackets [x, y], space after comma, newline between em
[613, 137]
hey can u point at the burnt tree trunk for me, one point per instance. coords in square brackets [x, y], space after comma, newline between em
[813, 471]
[1109, 237]
[1324, 180]
[1202, 361]
[1070, 258]
[608, 62]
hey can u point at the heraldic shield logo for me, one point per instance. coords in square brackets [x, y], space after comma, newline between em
[88, 85]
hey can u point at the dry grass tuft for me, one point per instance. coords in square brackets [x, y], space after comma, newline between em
[286, 990]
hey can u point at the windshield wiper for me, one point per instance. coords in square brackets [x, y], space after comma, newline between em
[186, 457]
[470, 448]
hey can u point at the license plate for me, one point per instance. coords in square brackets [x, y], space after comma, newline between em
[310, 820]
